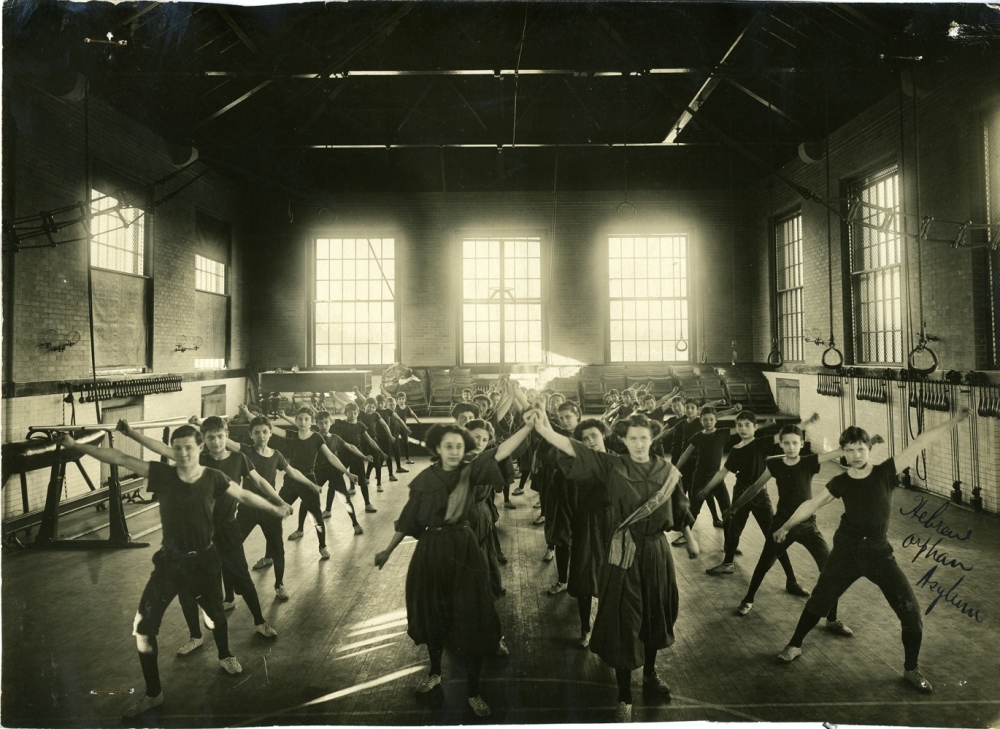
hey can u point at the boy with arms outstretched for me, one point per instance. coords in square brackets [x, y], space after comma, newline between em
[187, 560]
[860, 546]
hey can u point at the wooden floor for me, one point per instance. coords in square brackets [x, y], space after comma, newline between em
[343, 656]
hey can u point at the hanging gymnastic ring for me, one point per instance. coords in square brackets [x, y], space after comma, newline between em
[681, 345]
[833, 365]
[626, 210]
[775, 358]
[922, 370]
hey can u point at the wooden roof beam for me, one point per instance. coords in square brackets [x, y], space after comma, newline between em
[713, 80]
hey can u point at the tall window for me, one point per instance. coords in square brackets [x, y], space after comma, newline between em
[876, 256]
[501, 300]
[212, 312]
[209, 275]
[788, 284]
[991, 148]
[354, 312]
[118, 234]
[649, 298]
[120, 291]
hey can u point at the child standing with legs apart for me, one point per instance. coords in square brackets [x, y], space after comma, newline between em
[747, 460]
[228, 535]
[187, 561]
[861, 547]
[793, 474]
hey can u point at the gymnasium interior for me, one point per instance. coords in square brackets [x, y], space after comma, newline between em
[793, 207]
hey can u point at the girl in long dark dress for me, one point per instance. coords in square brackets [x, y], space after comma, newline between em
[448, 598]
[637, 594]
[483, 521]
[591, 529]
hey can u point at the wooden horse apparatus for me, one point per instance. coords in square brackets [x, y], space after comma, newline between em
[40, 451]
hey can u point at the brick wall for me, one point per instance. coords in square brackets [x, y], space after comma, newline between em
[44, 168]
[944, 142]
[50, 284]
[428, 230]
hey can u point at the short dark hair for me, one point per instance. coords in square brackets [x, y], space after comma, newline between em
[437, 432]
[370, 401]
[351, 406]
[322, 414]
[587, 425]
[747, 415]
[260, 420]
[305, 410]
[707, 410]
[790, 429]
[854, 434]
[187, 431]
[213, 423]
[480, 424]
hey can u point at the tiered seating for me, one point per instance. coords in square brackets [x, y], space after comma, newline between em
[591, 389]
[734, 383]
[613, 378]
[440, 400]
[747, 386]
[712, 384]
[461, 379]
[566, 386]
[759, 389]
[688, 380]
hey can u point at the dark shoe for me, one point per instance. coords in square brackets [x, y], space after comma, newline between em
[718, 524]
[794, 588]
[655, 686]
[502, 558]
[403, 470]
[509, 505]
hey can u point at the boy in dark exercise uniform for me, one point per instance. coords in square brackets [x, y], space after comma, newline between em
[228, 534]
[327, 474]
[793, 474]
[706, 445]
[302, 448]
[399, 429]
[187, 561]
[860, 545]
[356, 434]
[404, 411]
[747, 459]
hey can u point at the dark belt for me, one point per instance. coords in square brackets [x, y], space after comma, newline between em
[444, 527]
[194, 553]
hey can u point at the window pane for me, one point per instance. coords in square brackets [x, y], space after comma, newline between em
[118, 234]
[788, 277]
[875, 247]
[501, 292]
[356, 277]
[647, 286]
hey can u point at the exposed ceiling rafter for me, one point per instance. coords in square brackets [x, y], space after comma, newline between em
[715, 78]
